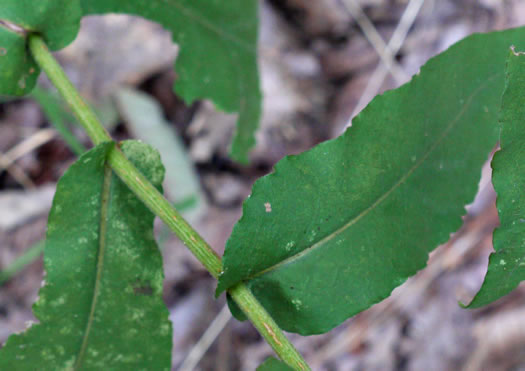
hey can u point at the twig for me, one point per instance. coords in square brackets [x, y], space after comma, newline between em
[7, 160]
[370, 32]
[396, 41]
[34, 141]
[15, 171]
[207, 339]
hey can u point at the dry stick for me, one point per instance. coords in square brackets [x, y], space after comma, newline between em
[206, 340]
[7, 160]
[396, 41]
[370, 32]
[161, 207]
[16, 172]
[36, 140]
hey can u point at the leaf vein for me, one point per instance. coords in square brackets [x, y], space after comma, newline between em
[99, 264]
[210, 26]
[385, 195]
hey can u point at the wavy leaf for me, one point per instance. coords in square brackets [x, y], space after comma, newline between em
[335, 229]
[57, 20]
[507, 265]
[101, 306]
[217, 59]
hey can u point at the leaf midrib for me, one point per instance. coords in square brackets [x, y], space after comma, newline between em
[241, 84]
[202, 21]
[383, 197]
[209, 25]
[104, 206]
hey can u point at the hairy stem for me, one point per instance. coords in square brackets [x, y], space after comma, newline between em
[161, 207]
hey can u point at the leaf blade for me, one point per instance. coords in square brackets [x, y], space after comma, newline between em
[57, 21]
[273, 364]
[362, 212]
[100, 261]
[218, 54]
[506, 266]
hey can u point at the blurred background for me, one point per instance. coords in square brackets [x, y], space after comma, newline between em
[320, 62]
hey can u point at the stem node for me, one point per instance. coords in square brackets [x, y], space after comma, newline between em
[161, 207]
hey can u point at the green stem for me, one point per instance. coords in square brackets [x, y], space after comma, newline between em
[267, 327]
[28, 257]
[162, 208]
[56, 115]
[165, 211]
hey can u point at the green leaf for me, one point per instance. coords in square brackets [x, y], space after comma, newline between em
[145, 118]
[272, 364]
[101, 307]
[507, 265]
[29, 256]
[57, 20]
[57, 115]
[217, 59]
[335, 229]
